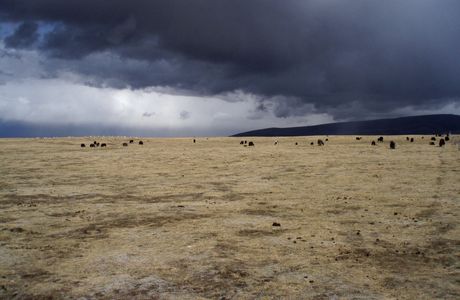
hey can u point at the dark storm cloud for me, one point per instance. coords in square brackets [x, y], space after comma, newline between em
[346, 58]
[24, 36]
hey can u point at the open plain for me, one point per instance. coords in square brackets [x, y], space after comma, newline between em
[171, 219]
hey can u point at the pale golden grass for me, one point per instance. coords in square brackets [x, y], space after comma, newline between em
[177, 220]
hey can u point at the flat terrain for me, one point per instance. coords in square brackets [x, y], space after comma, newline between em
[176, 220]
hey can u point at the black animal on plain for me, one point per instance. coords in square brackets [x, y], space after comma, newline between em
[276, 142]
[320, 142]
[296, 143]
[407, 138]
[447, 138]
[242, 143]
[327, 140]
[441, 142]
[125, 144]
[373, 143]
[380, 139]
[432, 143]
[141, 143]
[312, 143]
[92, 145]
[251, 144]
[392, 145]
[433, 138]
[411, 140]
[194, 141]
[358, 138]
[131, 141]
[82, 145]
[103, 145]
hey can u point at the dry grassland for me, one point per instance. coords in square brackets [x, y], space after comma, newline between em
[177, 220]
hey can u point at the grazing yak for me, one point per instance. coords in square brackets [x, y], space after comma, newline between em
[441, 142]
[242, 143]
[447, 138]
[82, 145]
[125, 144]
[392, 145]
[296, 143]
[131, 141]
[92, 145]
[358, 138]
[327, 140]
[251, 144]
[407, 138]
[141, 143]
[380, 139]
[312, 143]
[433, 138]
[194, 141]
[373, 143]
[276, 142]
[103, 145]
[320, 143]
[432, 143]
[411, 140]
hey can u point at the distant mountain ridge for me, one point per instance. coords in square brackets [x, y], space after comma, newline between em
[427, 124]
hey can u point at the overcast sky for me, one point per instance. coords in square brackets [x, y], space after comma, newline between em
[218, 67]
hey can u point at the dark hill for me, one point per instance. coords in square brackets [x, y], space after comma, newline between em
[428, 124]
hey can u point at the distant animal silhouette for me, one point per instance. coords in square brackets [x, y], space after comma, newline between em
[320, 143]
[242, 143]
[83, 145]
[432, 143]
[97, 144]
[447, 138]
[327, 140]
[125, 144]
[411, 140]
[358, 138]
[245, 142]
[131, 141]
[296, 143]
[312, 143]
[251, 144]
[380, 139]
[141, 143]
[407, 138]
[433, 138]
[92, 145]
[373, 143]
[276, 142]
[194, 141]
[441, 142]
[103, 145]
[392, 145]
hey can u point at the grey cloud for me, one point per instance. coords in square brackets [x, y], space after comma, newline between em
[301, 55]
[23, 37]
[148, 114]
[184, 115]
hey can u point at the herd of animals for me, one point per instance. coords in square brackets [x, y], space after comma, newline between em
[442, 141]
[96, 144]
